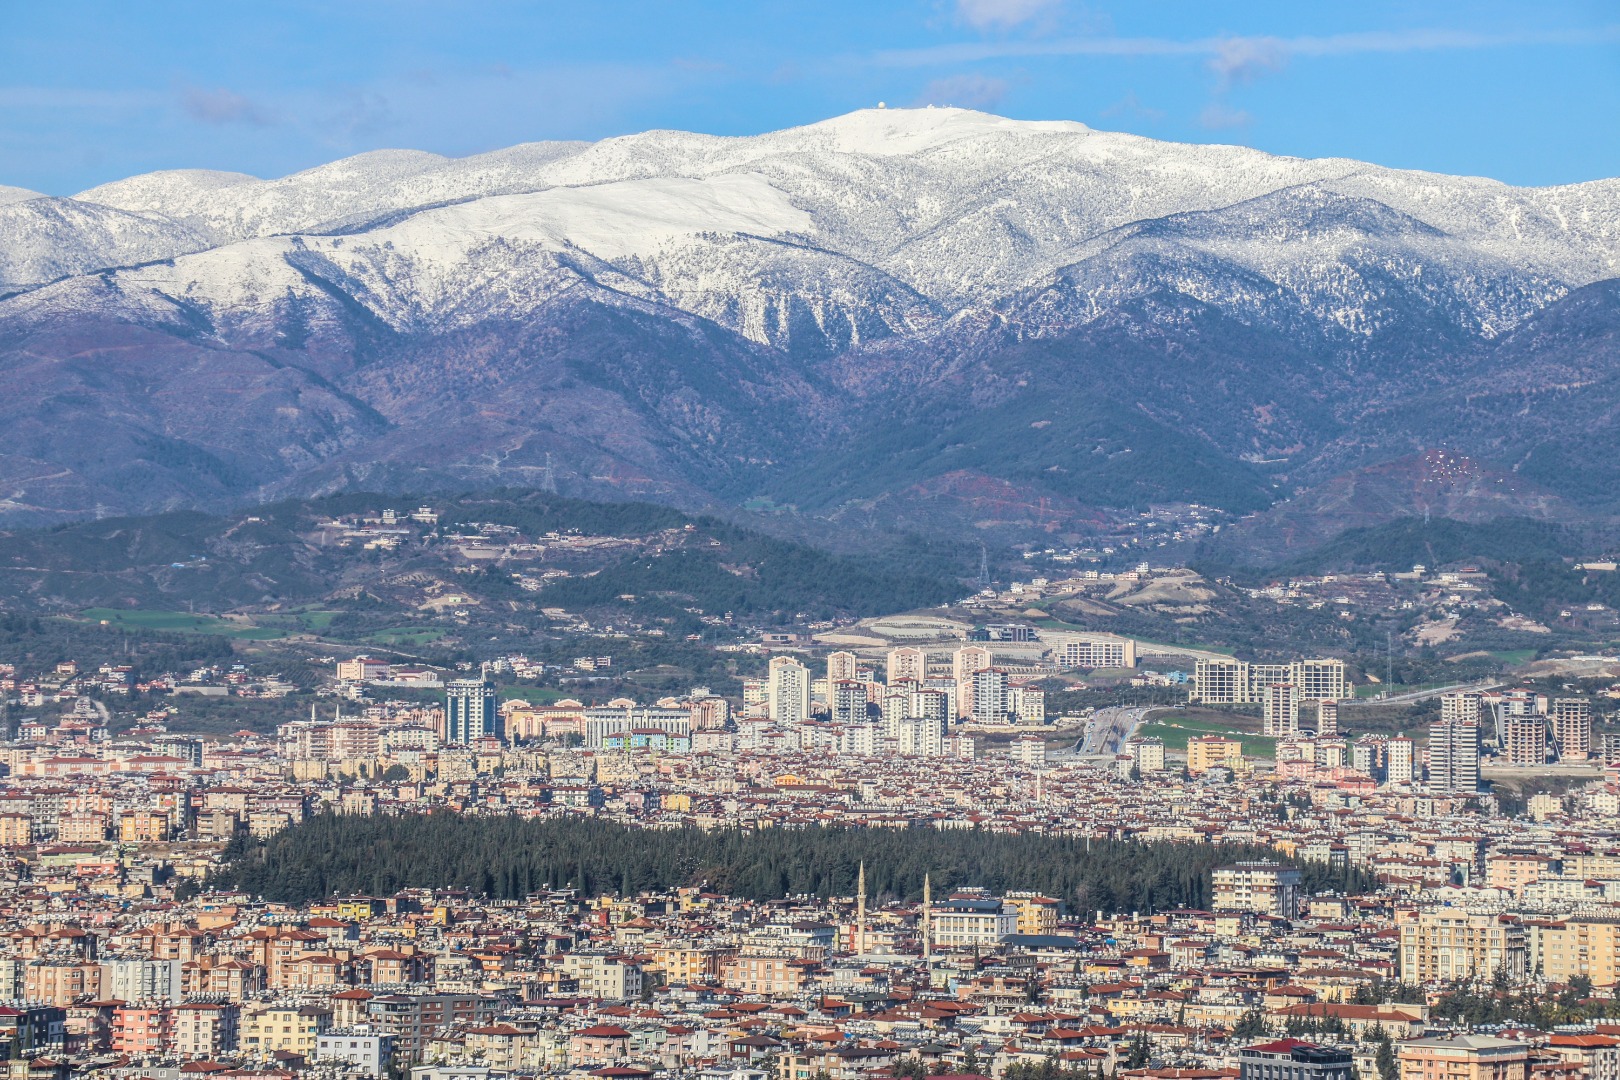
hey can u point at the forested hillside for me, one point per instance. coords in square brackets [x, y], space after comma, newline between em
[278, 556]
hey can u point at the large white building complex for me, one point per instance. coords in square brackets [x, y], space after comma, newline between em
[1238, 682]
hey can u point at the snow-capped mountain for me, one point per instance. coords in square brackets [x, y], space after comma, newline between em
[695, 317]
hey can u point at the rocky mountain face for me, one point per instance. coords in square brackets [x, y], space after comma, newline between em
[919, 317]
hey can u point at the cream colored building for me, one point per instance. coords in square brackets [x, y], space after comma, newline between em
[1037, 914]
[1235, 682]
[1588, 946]
[284, 1027]
[1266, 888]
[1206, 752]
[1446, 944]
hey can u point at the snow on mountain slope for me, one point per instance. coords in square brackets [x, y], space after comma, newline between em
[16, 194]
[233, 206]
[1349, 264]
[931, 211]
[46, 239]
[494, 257]
[904, 294]
[611, 221]
[893, 132]
[174, 192]
[1573, 227]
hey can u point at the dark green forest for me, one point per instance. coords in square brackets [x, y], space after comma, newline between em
[508, 858]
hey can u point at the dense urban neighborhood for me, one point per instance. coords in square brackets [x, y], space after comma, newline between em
[914, 594]
[1008, 849]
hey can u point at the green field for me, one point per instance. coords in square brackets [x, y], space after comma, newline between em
[181, 622]
[1176, 730]
[406, 635]
[1370, 690]
[316, 620]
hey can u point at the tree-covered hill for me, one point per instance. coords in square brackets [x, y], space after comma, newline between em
[275, 557]
[508, 858]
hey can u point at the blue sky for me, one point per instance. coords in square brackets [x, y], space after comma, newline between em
[93, 91]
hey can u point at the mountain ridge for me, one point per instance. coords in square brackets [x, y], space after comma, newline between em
[722, 317]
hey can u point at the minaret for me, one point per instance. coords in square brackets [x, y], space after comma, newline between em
[860, 912]
[928, 919]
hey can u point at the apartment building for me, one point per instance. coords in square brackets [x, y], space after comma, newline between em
[788, 690]
[205, 1030]
[1205, 752]
[283, 1027]
[1462, 706]
[972, 921]
[1597, 1057]
[989, 696]
[1294, 1059]
[906, 664]
[1097, 652]
[771, 973]
[1464, 1057]
[1037, 914]
[1571, 720]
[1579, 945]
[1400, 761]
[1454, 755]
[603, 975]
[1524, 740]
[1147, 754]
[142, 980]
[1266, 888]
[1237, 682]
[1279, 710]
[141, 1030]
[965, 663]
[413, 1019]
[1445, 945]
[841, 667]
[362, 1049]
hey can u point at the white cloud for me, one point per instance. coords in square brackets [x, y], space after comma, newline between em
[1002, 14]
[970, 91]
[1238, 61]
[221, 106]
